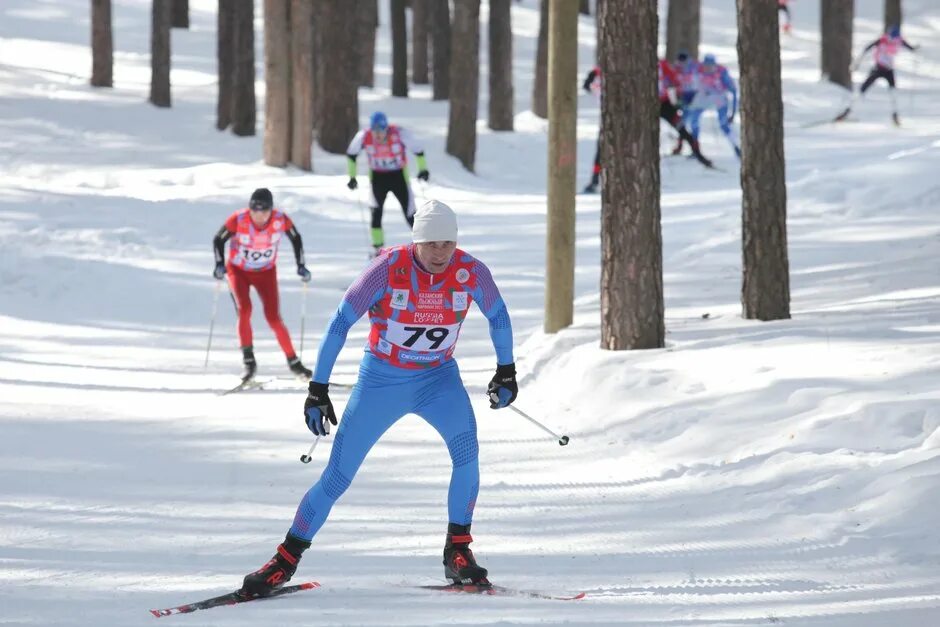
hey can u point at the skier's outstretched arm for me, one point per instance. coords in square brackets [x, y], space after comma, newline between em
[502, 389]
[589, 80]
[491, 303]
[218, 244]
[361, 295]
[297, 242]
[352, 152]
[728, 82]
[415, 146]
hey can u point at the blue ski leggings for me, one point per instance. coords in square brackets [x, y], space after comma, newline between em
[693, 118]
[382, 395]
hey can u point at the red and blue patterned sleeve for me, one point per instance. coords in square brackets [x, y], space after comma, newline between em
[361, 295]
[490, 302]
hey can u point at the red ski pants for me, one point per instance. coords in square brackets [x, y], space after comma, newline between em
[265, 283]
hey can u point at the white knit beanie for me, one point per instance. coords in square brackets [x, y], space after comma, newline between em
[434, 222]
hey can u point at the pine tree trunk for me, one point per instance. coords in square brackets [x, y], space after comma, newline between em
[585, 8]
[102, 44]
[836, 26]
[540, 84]
[318, 57]
[632, 315]
[367, 18]
[683, 21]
[225, 56]
[340, 91]
[301, 52]
[244, 113]
[892, 13]
[562, 162]
[440, 49]
[500, 59]
[161, 14]
[277, 82]
[765, 294]
[180, 13]
[419, 41]
[399, 50]
[464, 83]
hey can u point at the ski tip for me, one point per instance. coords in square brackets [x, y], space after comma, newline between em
[579, 596]
[310, 585]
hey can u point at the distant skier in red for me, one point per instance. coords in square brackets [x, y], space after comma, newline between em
[884, 49]
[255, 233]
[783, 6]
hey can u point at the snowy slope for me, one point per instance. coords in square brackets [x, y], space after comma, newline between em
[750, 473]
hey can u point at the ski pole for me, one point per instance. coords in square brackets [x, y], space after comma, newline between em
[562, 439]
[423, 186]
[362, 216]
[306, 458]
[215, 310]
[303, 318]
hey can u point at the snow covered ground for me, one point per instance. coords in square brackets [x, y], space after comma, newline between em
[750, 473]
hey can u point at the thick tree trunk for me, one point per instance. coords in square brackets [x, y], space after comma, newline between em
[683, 21]
[836, 26]
[102, 44]
[180, 13]
[892, 13]
[500, 57]
[632, 314]
[562, 161]
[440, 49]
[301, 52]
[585, 7]
[419, 41]
[277, 80]
[540, 84]
[464, 83]
[765, 294]
[367, 20]
[340, 91]
[318, 58]
[225, 55]
[160, 52]
[244, 113]
[399, 49]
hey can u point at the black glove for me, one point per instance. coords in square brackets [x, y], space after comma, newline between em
[353, 183]
[219, 272]
[502, 390]
[424, 175]
[303, 273]
[317, 407]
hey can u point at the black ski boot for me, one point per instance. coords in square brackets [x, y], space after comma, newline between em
[896, 119]
[251, 366]
[842, 116]
[459, 565]
[697, 153]
[299, 369]
[277, 571]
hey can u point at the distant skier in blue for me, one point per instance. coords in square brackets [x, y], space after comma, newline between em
[713, 86]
